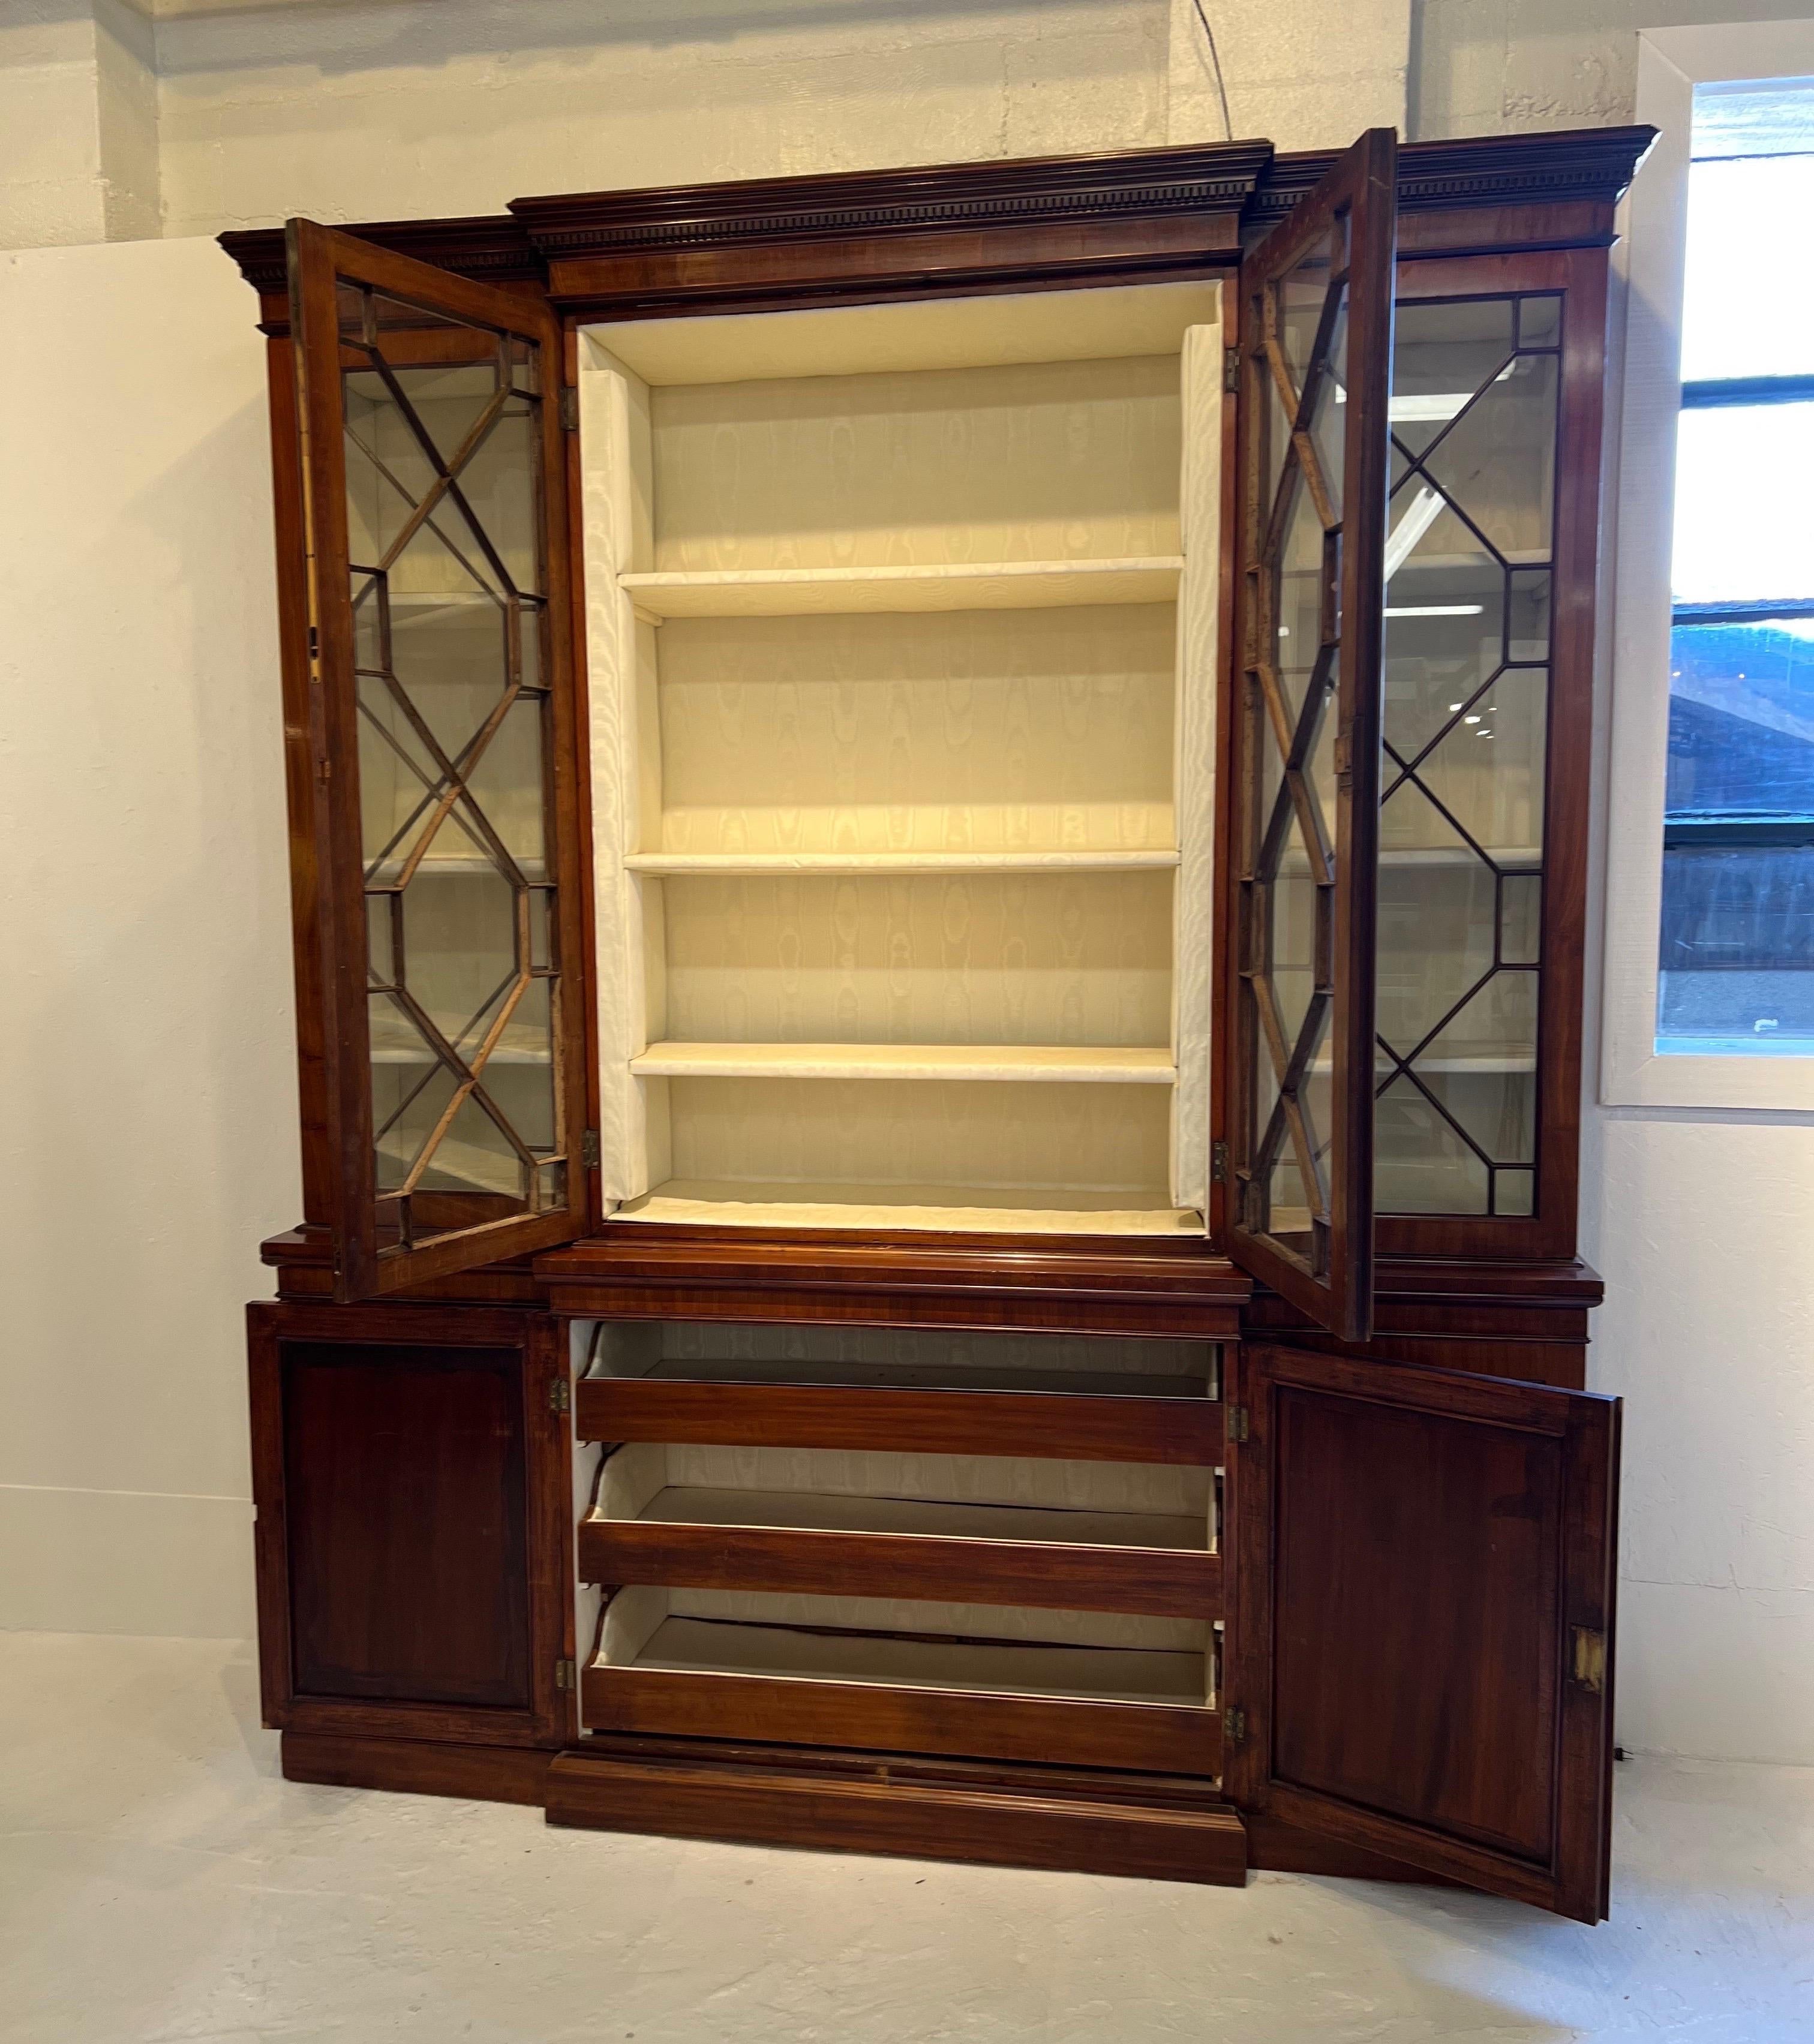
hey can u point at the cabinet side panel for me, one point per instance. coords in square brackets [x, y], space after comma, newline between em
[1199, 629]
[626, 784]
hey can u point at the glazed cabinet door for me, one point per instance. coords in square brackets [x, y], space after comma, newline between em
[411, 1471]
[443, 867]
[1498, 370]
[1315, 345]
[1419, 1642]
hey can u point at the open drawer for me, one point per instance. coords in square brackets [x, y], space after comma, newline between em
[1082, 1689]
[981, 1529]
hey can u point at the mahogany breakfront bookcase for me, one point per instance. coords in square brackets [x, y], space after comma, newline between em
[938, 823]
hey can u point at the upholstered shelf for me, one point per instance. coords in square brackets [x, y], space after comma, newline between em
[906, 1061]
[469, 1166]
[942, 1209]
[1513, 859]
[396, 1041]
[460, 867]
[964, 585]
[885, 864]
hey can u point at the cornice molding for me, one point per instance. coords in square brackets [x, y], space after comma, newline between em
[491, 247]
[1243, 178]
[1031, 191]
[1475, 170]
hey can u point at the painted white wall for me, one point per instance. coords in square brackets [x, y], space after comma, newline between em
[148, 1141]
[1701, 1218]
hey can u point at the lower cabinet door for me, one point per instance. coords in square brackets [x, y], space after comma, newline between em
[1420, 1626]
[411, 1478]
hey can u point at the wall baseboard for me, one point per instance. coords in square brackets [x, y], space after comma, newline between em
[108, 1561]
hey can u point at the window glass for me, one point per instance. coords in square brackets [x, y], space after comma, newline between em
[1736, 943]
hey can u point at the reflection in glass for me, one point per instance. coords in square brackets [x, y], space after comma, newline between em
[450, 623]
[1475, 417]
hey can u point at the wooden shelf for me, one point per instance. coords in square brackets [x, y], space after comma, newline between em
[964, 585]
[885, 865]
[1062, 1065]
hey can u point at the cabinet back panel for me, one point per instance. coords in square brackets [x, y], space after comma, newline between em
[999, 1144]
[1040, 461]
[405, 1503]
[1074, 959]
[977, 730]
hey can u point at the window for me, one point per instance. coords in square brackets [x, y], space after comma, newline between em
[1709, 837]
[1735, 960]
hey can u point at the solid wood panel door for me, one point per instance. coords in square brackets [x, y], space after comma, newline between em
[411, 1470]
[1420, 1649]
[440, 715]
[1316, 352]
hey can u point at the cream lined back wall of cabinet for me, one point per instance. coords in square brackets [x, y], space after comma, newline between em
[901, 635]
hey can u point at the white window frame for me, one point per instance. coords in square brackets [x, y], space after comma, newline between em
[1650, 261]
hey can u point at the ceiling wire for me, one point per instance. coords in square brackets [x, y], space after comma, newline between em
[1222, 89]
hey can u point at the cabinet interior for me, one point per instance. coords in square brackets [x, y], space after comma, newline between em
[902, 639]
[1087, 1654]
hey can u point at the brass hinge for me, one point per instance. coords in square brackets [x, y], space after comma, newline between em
[1219, 1163]
[589, 1149]
[1237, 1429]
[1233, 1725]
[560, 1396]
[569, 409]
[1590, 1659]
[566, 1676]
[1231, 370]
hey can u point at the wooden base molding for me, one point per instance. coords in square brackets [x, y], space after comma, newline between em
[417, 1767]
[875, 1804]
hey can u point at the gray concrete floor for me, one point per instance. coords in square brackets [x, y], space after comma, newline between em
[159, 1880]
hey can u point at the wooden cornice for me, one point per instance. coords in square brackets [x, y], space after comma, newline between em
[1028, 191]
[1592, 164]
[1243, 182]
[492, 248]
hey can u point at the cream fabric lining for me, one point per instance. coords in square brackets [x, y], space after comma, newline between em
[893, 736]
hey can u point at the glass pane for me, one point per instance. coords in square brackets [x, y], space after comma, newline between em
[1436, 923]
[1443, 353]
[1481, 1068]
[1497, 461]
[1467, 639]
[1741, 504]
[1736, 211]
[1741, 720]
[1292, 681]
[1421, 1164]
[443, 496]
[1737, 955]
